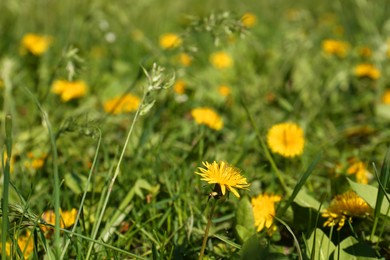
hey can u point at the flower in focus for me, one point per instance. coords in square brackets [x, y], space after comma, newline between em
[184, 59]
[224, 90]
[69, 90]
[122, 104]
[67, 218]
[221, 60]
[264, 210]
[286, 139]
[367, 70]
[179, 87]
[335, 47]
[35, 44]
[386, 97]
[249, 20]
[170, 41]
[224, 176]
[359, 169]
[207, 116]
[343, 207]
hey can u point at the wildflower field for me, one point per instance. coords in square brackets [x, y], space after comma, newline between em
[173, 129]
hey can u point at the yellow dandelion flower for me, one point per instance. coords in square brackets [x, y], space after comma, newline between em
[335, 47]
[67, 218]
[224, 90]
[122, 104]
[386, 97]
[249, 19]
[264, 210]
[367, 70]
[69, 90]
[184, 59]
[286, 139]
[343, 207]
[221, 60]
[179, 87]
[359, 169]
[35, 44]
[207, 116]
[224, 176]
[26, 244]
[365, 52]
[170, 41]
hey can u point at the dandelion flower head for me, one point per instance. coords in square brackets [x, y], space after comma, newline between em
[69, 90]
[286, 139]
[367, 70]
[343, 207]
[170, 41]
[179, 87]
[335, 47]
[264, 210]
[221, 60]
[184, 59]
[67, 218]
[249, 19]
[224, 175]
[35, 44]
[207, 116]
[122, 104]
[359, 169]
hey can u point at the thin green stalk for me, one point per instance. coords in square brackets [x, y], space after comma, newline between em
[265, 149]
[6, 180]
[116, 173]
[84, 194]
[206, 232]
[57, 206]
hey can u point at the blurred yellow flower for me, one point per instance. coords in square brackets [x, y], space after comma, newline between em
[249, 19]
[185, 59]
[221, 60]
[335, 47]
[359, 169]
[170, 41]
[224, 176]
[35, 162]
[367, 70]
[343, 207]
[122, 104]
[67, 218]
[365, 52]
[386, 97]
[224, 90]
[264, 210]
[25, 243]
[207, 116]
[286, 139]
[179, 87]
[35, 44]
[69, 90]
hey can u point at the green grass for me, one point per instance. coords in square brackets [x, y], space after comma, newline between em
[132, 176]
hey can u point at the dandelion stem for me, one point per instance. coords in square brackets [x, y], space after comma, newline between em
[206, 232]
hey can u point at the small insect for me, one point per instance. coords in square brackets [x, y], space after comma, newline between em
[214, 195]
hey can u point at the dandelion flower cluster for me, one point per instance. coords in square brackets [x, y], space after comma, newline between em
[221, 60]
[122, 104]
[170, 41]
[224, 176]
[207, 116]
[335, 47]
[359, 169]
[35, 44]
[69, 90]
[343, 207]
[367, 70]
[264, 210]
[286, 139]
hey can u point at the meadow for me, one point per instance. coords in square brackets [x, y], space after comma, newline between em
[150, 129]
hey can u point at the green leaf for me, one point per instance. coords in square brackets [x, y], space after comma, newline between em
[305, 200]
[319, 246]
[351, 249]
[76, 182]
[245, 221]
[369, 193]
